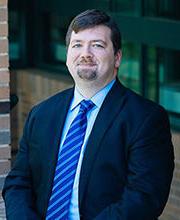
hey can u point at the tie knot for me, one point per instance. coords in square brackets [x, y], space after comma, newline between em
[86, 105]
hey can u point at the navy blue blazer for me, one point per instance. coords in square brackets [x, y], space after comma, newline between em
[127, 167]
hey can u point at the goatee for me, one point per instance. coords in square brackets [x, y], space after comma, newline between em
[87, 74]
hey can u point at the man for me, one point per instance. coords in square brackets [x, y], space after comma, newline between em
[96, 151]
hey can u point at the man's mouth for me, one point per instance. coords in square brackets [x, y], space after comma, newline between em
[86, 64]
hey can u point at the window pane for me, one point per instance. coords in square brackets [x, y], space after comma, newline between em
[55, 28]
[169, 92]
[127, 7]
[169, 72]
[14, 35]
[151, 75]
[129, 71]
[101, 4]
[162, 8]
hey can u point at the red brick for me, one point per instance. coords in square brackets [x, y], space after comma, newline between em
[4, 62]
[4, 46]
[3, 2]
[3, 29]
[5, 152]
[4, 166]
[177, 164]
[175, 212]
[4, 92]
[4, 122]
[3, 14]
[4, 77]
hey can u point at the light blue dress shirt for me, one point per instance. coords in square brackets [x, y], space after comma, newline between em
[97, 99]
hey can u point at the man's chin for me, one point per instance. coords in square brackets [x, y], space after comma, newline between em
[87, 75]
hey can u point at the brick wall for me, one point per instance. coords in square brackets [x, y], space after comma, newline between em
[4, 93]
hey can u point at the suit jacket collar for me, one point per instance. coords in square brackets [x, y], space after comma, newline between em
[113, 102]
[57, 116]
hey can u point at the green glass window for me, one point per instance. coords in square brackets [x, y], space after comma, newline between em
[101, 4]
[150, 72]
[129, 71]
[14, 36]
[162, 8]
[169, 69]
[127, 7]
[169, 90]
[54, 38]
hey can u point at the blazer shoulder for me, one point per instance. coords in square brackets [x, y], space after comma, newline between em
[52, 101]
[133, 105]
[138, 111]
[143, 104]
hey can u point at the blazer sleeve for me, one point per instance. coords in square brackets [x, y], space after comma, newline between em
[17, 191]
[150, 171]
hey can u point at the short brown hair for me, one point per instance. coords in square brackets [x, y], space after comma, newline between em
[91, 18]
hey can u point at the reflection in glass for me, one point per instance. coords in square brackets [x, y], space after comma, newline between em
[151, 75]
[127, 7]
[104, 5]
[55, 38]
[162, 8]
[169, 72]
[129, 71]
[14, 35]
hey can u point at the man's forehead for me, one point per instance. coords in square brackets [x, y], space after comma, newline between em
[100, 32]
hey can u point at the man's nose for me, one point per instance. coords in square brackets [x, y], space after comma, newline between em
[86, 51]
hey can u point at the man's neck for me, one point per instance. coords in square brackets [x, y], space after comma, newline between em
[88, 90]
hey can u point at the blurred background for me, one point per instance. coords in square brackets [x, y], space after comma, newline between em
[33, 39]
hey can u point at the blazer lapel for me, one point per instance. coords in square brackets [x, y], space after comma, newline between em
[111, 107]
[57, 118]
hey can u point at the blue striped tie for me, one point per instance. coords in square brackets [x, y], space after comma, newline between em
[58, 207]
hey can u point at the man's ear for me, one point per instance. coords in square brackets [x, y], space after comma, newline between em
[118, 57]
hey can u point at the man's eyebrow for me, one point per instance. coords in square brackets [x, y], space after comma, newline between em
[99, 40]
[75, 41]
[92, 41]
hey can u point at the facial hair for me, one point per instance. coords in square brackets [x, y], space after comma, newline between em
[87, 74]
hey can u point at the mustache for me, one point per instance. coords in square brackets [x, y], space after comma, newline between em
[86, 61]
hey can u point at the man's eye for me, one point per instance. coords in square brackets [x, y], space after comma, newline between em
[76, 45]
[98, 45]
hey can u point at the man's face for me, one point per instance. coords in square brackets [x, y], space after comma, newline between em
[90, 56]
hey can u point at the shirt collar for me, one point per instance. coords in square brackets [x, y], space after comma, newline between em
[97, 99]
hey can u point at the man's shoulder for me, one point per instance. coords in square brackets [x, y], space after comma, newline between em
[134, 100]
[139, 107]
[58, 96]
[142, 102]
[130, 102]
[53, 101]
